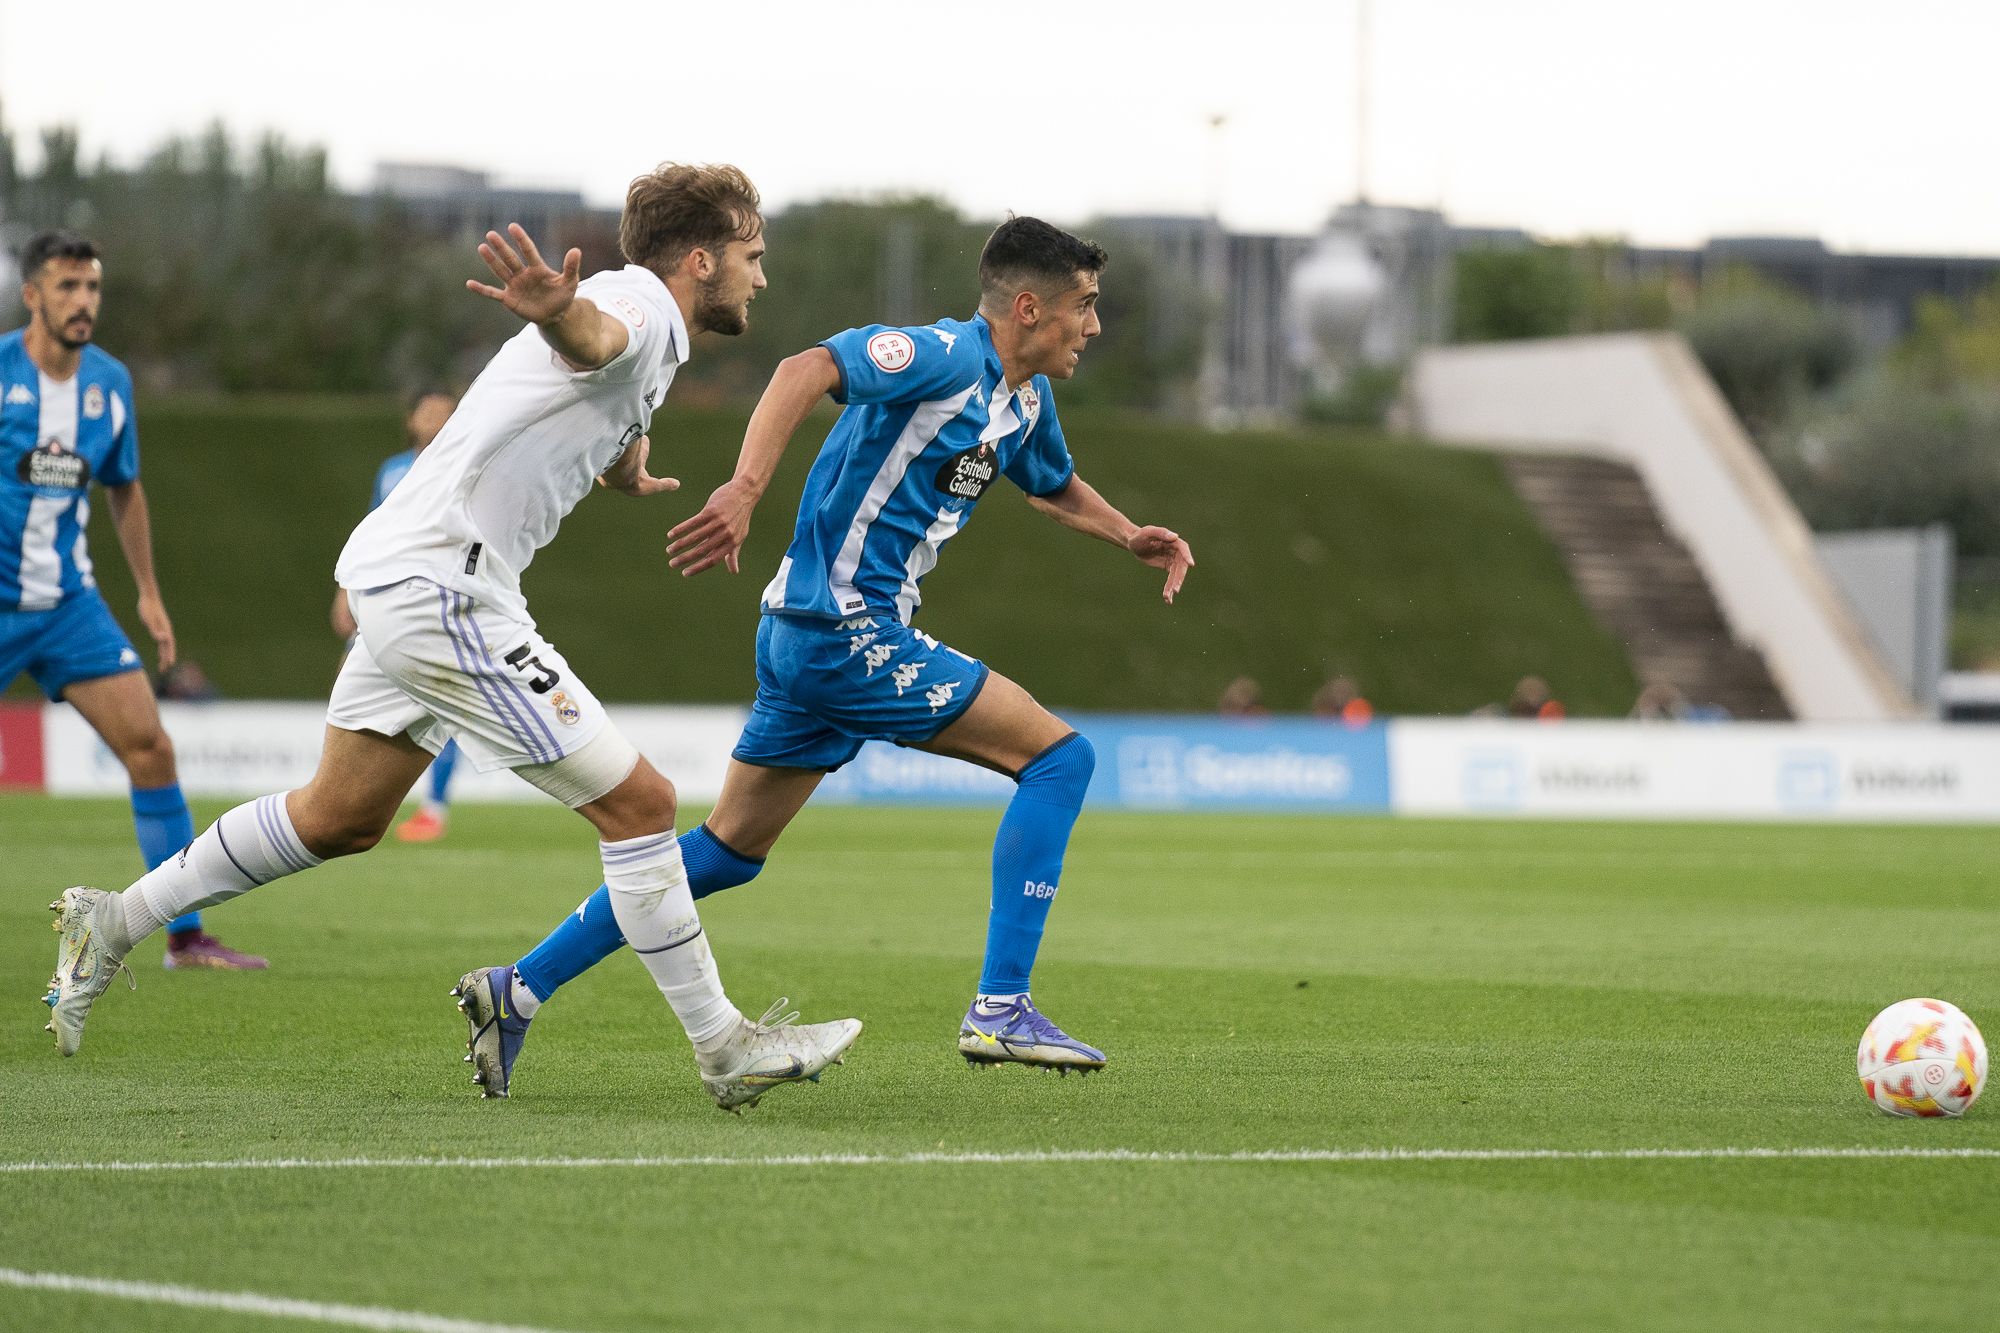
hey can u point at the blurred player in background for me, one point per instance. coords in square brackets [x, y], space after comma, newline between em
[447, 647]
[429, 410]
[933, 415]
[66, 420]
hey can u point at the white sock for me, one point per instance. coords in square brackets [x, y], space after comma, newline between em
[655, 912]
[998, 1001]
[525, 1001]
[250, 845]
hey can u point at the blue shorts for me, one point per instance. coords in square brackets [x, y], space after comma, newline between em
[825, 686]
[73, 642]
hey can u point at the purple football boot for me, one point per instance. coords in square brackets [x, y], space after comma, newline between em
[497, 1032]
[1019, 1033]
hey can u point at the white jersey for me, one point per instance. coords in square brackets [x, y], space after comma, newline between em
[527, 442]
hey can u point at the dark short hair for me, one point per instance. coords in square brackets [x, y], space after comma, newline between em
[1028, 253]
[675, 209]
[46, 245]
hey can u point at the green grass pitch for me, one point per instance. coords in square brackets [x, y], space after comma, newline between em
[1259, 984]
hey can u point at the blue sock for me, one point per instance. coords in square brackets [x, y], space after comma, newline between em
[1028, 857]
[160, 815]
[590, 934]
[441, 767]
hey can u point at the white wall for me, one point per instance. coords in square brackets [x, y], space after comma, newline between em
[1643, 399]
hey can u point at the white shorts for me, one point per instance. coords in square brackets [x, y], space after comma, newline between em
[439, 666]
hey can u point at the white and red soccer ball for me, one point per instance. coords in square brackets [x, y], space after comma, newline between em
[1922, 1058]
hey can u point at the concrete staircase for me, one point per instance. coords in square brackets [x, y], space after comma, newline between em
[1641, 583]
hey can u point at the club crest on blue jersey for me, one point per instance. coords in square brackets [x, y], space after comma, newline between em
[54, 468]
[93, 403]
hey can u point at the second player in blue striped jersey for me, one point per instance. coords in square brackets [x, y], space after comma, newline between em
[930, 424]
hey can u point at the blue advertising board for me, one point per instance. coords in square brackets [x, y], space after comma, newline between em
[1160, 763]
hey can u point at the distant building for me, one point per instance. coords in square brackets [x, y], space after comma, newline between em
[461, 202]
[1279, 317]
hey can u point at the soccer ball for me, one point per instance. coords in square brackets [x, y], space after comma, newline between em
[1922, 1057]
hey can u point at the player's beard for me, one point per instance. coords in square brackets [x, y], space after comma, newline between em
[713, 313]
[61, 333]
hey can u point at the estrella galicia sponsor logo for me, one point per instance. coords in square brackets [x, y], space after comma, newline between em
[1037, 889]
[54, 468]
[966, 475]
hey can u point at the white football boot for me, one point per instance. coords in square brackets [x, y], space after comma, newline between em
[772, 1051]
[85, 964]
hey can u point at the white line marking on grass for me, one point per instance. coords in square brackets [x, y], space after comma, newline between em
[250, 1302]
[1027, 1158]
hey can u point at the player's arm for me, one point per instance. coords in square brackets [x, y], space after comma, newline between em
[581, 334]
[341, 616]
[715, 535]
[1078, 505]
[135, 537]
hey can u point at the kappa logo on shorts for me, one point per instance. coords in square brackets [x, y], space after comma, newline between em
[940, 695]
[905, 676]
[860, 641]
[127, 657]
[878, 656]
[566, 710]
[859, 622]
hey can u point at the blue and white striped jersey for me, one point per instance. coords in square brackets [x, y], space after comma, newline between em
[929, 423]
[394, 468]
[56, 437]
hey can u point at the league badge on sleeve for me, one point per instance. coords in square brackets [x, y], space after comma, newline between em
[891, 351]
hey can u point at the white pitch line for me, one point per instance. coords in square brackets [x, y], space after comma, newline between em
[250, 1302]
[1028, 1158]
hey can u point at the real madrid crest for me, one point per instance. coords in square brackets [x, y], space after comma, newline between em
[566, 710]
[93, 402]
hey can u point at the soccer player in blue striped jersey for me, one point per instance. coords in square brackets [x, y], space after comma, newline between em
[430, 409]
[934, 415]
[66, 420]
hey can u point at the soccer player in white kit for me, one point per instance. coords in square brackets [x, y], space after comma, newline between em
[448, 650]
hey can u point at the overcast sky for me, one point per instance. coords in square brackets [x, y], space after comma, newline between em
[1872, 125]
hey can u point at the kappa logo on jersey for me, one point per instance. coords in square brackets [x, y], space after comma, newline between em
[891, 351]
[859, 622]
[54, 468]
[948, 339]
[566, 710]
[93, 403]
[19, 395]
[905, 676]
[965, 476]
[878, 656]
[127, 657]
[940, 695]
[631, 311]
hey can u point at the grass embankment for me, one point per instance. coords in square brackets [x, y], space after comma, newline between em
[1414, 570]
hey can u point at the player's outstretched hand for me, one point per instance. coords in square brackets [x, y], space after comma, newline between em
[153, 615]
[629, 473]
[715, 535]
[528, 286]
[1163, 550]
